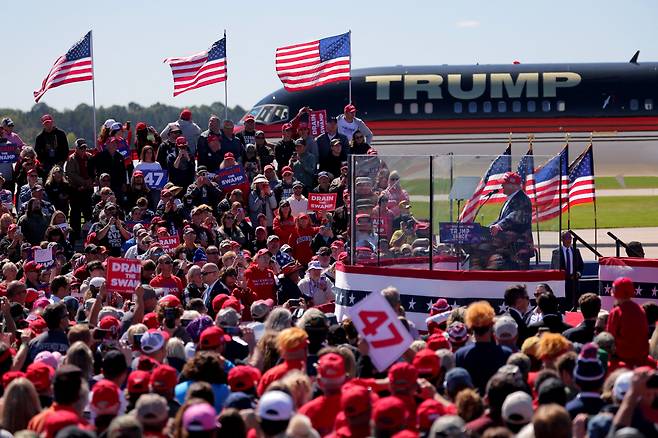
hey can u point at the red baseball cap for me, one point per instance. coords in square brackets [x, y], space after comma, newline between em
[331, 366]
[402, 373]
[146, 363]
[623, 287]
[427, 412]
[170, 301]
[55, 423]
[427, 363]
[249, 117]
[243, 378]
[511, 178]
[36, 323]
[138, 173]
[138, 382]
[163, 378]
[286, 170]
[212, 337]
[233, 303]
[186, 114]
[151, 320]
[438, 341]
[9, 376]
[140, 126]
[181, 141]
[349, 108]
[110, 323]
[32, 266]
[105, 398]
[41, 375]
[389, 413]
[46, 118]
[229, 155]
[218, 301]
[355, 400]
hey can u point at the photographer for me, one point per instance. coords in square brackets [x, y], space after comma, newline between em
[169, 312]
[204, 191]
[261, 200]
[180, 163]
[110, 230]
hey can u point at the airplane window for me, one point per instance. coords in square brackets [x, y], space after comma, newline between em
[516, 106]
[532, 106]
[561, 106]
[546, 106]
[413, 108]
[472, 107]
[635, 105]
[429, 108]
[280, 114]
[397, 108]
[502, 106]
[458, 107]
[486, 107]
[648, 104]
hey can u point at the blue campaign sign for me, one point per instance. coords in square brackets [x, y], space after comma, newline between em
[155, 179]
[231, 177]
[8, 153]
[462, 233]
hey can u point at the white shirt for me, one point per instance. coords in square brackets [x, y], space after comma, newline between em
[298, 206]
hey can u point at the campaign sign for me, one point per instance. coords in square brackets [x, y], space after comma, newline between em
[155, 179]
[322, 201]
[43, 256]
[459, 233]
[231, 177]
[123, 275]
[376, 321]
[8, 153]
[317, 121]
[169, 243]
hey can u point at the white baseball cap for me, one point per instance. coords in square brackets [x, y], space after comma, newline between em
[275, 406]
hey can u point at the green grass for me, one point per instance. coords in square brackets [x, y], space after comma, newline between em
[442, 185]
[613, 212]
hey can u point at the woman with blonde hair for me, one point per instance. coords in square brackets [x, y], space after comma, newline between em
[300, 387]
[19, 404]
[80, 355]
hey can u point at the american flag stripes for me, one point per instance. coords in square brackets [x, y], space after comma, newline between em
[526, 171]
[204, 68]
[308, 65]
[552, 187]
[491, 181]
[581, 179]
[73, 66]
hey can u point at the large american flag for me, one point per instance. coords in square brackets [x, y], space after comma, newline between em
[526, 171]
[308, 65]
[492, 180]
[552, 187]
[73, 66]
[581, 179]
[204, 68]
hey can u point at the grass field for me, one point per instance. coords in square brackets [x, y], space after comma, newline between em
[613, 212]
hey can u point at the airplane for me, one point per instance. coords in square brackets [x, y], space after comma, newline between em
[474, 109]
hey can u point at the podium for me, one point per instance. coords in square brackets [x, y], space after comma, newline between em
[460, 233]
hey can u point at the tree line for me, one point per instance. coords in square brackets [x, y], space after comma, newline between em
[78, 122]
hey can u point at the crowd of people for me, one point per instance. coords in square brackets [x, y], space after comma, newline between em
[232, 332]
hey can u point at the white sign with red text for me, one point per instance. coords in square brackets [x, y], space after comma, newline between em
[376, 321]
[123, 275]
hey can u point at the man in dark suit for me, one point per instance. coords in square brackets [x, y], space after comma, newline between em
[517, 302]
[568, 259]
[324, 140]
[512, 231]
[590, 306]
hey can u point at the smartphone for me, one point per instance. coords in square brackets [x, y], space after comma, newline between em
[100, 334]
[137, 341]
[294, 302]
[233, 331]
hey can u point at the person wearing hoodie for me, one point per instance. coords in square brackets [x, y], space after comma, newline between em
[348, 124]
[301, 237]
[190, 130]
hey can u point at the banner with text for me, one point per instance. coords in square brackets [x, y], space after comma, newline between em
[317, 121]
[155, 179]
[230, 177]
[322, 201]
[8, 153]
[169, 243]
[123, 275]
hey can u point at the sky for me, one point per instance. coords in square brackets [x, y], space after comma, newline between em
[131, 39]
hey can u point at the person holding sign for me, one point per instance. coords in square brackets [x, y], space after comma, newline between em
[147, 160]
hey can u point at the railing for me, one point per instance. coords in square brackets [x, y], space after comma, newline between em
[618, 244]
[577, 238]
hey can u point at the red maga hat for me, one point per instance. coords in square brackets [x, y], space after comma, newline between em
[511, 178]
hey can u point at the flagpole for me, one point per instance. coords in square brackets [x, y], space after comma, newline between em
[568, 203]
[534, 191]
[596, 225]
[349, 84]
[559, 236]
[93, 84]
[226, 80]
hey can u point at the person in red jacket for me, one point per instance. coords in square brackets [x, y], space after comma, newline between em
[322, 411]
[292, 344]
[356, 404]
[260, 278]
[284, 222]
[627, 322]
[165, 279]
[300, 239]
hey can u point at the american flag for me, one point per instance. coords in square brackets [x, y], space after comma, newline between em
[491, 181]
[548, 187]
[308, 65]
[526, 171]
[73, 66]
[581, 179]
[205, 68]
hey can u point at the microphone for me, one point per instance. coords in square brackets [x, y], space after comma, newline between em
[486, 199]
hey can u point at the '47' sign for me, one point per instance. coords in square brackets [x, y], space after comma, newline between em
[376, 321]
[155, 179]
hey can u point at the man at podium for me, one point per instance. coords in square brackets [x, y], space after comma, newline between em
[512, 231]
